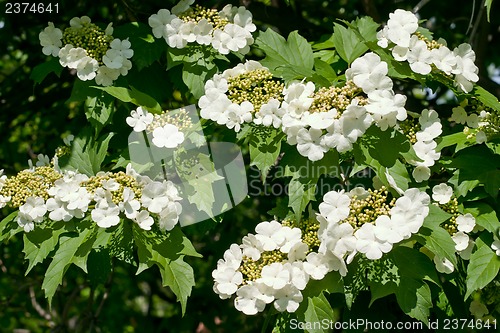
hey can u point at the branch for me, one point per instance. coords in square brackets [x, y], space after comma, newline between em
[41, 311]
[420, 5]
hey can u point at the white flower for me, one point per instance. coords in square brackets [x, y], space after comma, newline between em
[129, 205]
[478, 309]
[159, 21]
[401, 25]
[269, 235]
[167, 136]
[43, 160]
[458, 115]
[203, 32]
[418, 56]
[495, 246]
[425, 150]
[250, 299]
[105, 76]
[309, 144]
[337, 238]
[186, 31]
[144, 220]
[316, 265]
[51, 40]
[106, 217]
[169, 216]
[58, 210]
[233, 256]
[466, 223]
[139, 119]
[156, 196]
[430, 125]
[369, 244]
[226, 280]
[4, 200]
[71, 57]
[237, 114]
[287, 298]
[461, 240]
[172, 33]
[442, 193]
[34, 209]
[269, 114]
[443, 265]
[335, 206]
[386, 107]
[243, 18]
[298, 251]
[274, 276]
[421, 173]
[298, 277]
[369, 73]
[387, 230]
[86, 69]
[320, 120]
[79, 22]
[443, 59]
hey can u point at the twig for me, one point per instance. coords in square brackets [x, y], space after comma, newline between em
[477, 22]
[41, 311]
[420, 5]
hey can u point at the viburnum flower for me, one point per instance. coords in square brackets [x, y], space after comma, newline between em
[167, 136]
[442, 193]
[51, 40]
[335, 206]
[88, 49]
[466, 223]
[228, 30]
[144, 220]
[309, 144]
[139, 119]
[443, 265]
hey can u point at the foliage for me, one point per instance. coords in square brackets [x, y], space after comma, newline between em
[93, 262]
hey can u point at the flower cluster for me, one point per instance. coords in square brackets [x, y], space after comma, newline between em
[401, 36]
[227, 30]
[315, 121]
[480, 124]
[459, 226]
[368, 222]
[44, 193]
[245, 93]
[166, 129]
[422, 137]
[271, 266]
[88, 49]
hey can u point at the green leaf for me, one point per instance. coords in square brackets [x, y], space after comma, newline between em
[414, 264]
[325, 70]
[194, 76]
[414, 298]
[40, 242]
[40, 72]
[133, 96]
[435, 238]
[200, 182]
[87, 154]
[147, 49]
[289, 59]
[486, 216]
[478, 163]
[99, 111]
[166, 252]
[318, 310]
[383, 277]
[347, 43]
[483, 267]
[486, 97]
[487, 4]
[63, 258]
[459, 139]
[366, 27]
[8, 227]
[265, 146]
